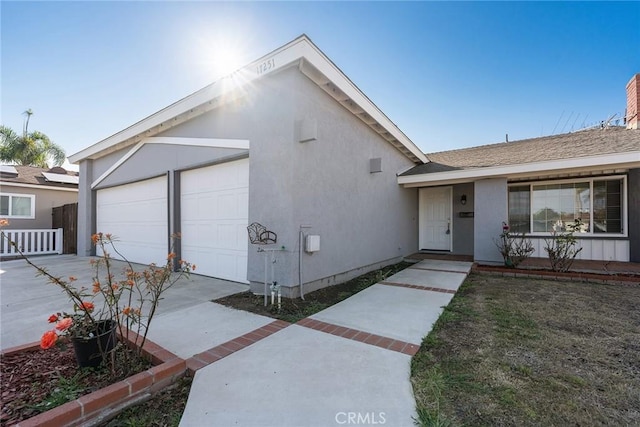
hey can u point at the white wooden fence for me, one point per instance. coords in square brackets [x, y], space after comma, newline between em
[31, 242]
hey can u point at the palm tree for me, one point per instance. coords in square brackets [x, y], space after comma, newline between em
[32, 148]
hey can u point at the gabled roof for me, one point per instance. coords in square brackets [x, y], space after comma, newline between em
[30, 176]
[613, 146]
[300, 52]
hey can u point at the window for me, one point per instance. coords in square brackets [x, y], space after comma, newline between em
[597, 203]
[17, 206]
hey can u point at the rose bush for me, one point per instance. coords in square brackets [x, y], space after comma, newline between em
[128, 299]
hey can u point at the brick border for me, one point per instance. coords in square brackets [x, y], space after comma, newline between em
[420, 287]
[361, 336]
[92, 407]
[223, 350]
[556, 275]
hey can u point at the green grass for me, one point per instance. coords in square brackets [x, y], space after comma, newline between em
[510, 351]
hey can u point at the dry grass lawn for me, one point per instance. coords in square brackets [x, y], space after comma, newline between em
[516, 351]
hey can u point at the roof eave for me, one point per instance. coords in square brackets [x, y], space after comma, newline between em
[229, 87]
[626, 160]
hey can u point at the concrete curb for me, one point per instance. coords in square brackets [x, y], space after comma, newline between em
[98, 406]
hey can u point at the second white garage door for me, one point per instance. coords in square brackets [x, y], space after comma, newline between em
[214, 211]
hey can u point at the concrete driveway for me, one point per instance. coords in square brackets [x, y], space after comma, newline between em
[348, 364]
[27, 300]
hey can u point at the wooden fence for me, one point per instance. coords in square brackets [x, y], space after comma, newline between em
[66, 217]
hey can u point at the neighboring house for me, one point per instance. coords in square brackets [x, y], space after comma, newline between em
[592, 174]
[291, 143]
[28, 194]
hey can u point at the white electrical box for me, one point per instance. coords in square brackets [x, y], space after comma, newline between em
[312, 244]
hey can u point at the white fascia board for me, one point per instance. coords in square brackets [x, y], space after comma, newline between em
[619, 160]
[117, 164]
[337, 77]
[39, 187]
[241, 144]
[281, 58]
[276, 60]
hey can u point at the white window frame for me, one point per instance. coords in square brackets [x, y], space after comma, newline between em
[590, 179]
[32, 215]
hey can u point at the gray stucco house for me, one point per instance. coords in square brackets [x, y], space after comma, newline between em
[291, 143]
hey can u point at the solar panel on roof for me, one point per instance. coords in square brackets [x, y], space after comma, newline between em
[56, 177]
[8, 169]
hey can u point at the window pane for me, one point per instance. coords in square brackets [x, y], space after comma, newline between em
[4, 205]
[519, 209]
[560, 203]
[607, 206]
[20, 206]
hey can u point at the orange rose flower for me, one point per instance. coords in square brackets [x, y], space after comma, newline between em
[48, 340]
[88, 306]
[53, 318]
[64, 324]
[126, 311]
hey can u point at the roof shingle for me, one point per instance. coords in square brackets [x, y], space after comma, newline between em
[582, 143]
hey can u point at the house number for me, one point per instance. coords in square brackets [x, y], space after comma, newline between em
[267, 65]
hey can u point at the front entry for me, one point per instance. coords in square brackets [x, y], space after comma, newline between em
[435, 219]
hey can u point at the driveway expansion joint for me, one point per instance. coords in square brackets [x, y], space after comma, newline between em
[414, 267]
[422, 288]
[225, 349]
[360, 336]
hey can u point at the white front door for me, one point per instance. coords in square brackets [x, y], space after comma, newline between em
[435, 219]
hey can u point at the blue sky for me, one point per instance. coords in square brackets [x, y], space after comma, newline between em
[449, 74]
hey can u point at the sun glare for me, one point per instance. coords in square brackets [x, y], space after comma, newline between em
[225, 59]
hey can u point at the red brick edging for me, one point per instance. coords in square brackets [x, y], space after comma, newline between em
[214, 354]
[557, 275]
[93, 406]
[361, 336]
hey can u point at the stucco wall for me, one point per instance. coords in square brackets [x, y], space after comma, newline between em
[363, 219]
[463, 227]
[46, 200]
[490, 211]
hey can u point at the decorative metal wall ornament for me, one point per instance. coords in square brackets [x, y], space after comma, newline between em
[259, 235]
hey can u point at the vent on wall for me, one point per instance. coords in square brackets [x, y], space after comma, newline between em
[307, 130]
[375, 165]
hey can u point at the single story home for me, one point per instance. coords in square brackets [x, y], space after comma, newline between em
[28, 194]
[291, 143]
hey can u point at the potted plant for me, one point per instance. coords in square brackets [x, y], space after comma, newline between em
[113, 306]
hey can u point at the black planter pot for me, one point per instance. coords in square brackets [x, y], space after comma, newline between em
[90, 351]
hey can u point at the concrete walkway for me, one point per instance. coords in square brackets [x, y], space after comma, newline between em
[348, 364]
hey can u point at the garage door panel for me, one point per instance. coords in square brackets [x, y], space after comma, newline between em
[136, 215]
[214, 218]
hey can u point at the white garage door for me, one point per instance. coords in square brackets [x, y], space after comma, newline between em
[136, 214]
[214, 212]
